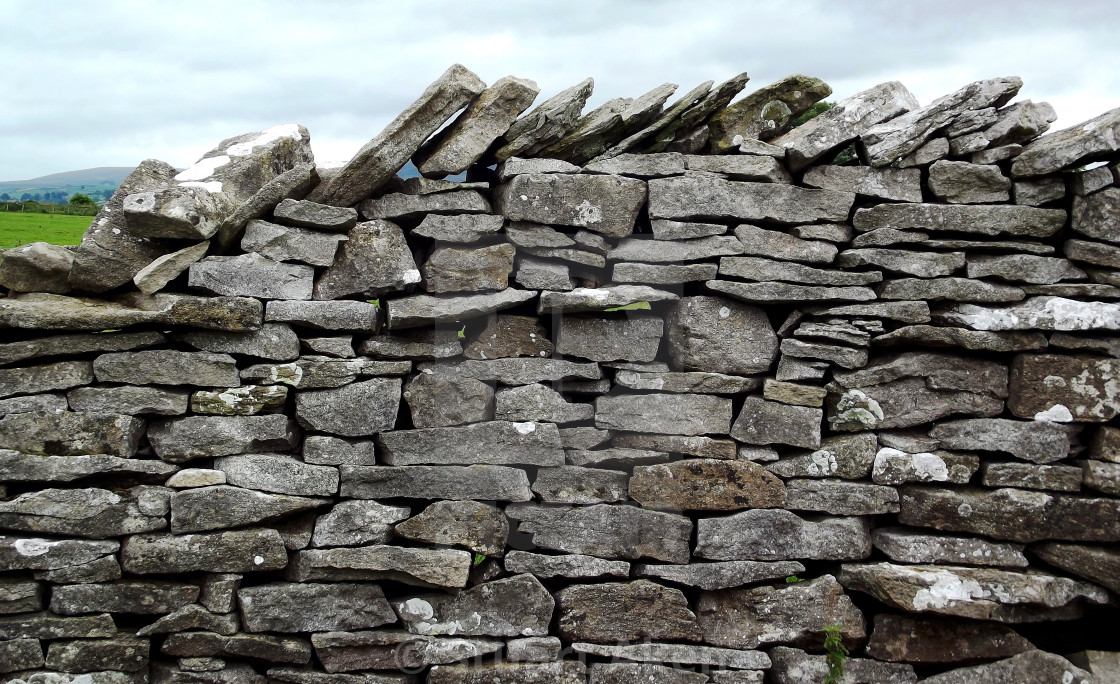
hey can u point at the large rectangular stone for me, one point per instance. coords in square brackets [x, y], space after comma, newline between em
[666, 414]
[690, 198]
[494, 442]
[477, 482]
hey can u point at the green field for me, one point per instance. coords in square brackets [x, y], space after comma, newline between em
[20, 229]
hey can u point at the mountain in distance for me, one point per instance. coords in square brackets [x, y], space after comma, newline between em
[99, 183]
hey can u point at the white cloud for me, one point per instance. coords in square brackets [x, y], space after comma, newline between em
[115, 82]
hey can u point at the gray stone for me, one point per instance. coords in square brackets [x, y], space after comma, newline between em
[617, 457]
[390, 649]
[1028, 476]
[829, 232]
[32, 553]
[533, 649]
[477, 482]
[354, 410]
[569, 566]
[583, 437]
[375, 260]
[764, 269]
[600, 203]
[952, 289]
[608, 123]
[45, 378]
[690, 198]
[634, 338]
[239, 401]
[285, 243]
[538, 403]
[461, 228]
[985, 593]
[517, 166]
[1063, 388]
[578, 485]
[46, 625]
[694, 382]
[143, 597]
[1095, 253]
[545, 124]
[259, 647]
[765, 113]
[904, 312]
[989, 220]
[838, 497]
[920, 264]
[964, 183]
[458, 146]
[543, 275]
[281, 607]
[319, 372]
[307, 214]
[711, 576]
[156, 275]
[20, 654]
[1103, 477]
[769, 422]
[615, 612]
[525, 234]
[612, 532]
[438, 399]
[523, 371]
[330, 315]
[667, 251]
[69, 434]
[653, 165]
[684, 230]
[1036, 192]
[222, 506]
[926, 640]
[1037, 442]
[426, 310]
[780, 535]
[510, 336]
[1088, 141]
[479, 527]
[771, 292]
[779, 245]
[895, 467]
[37, 267]
[575, 256]
[247, 550]
[450, 268]
[740, 167]
[999, 513]
[110, 254]
[413, 344]
[1098, 564]
[297, 181]
[351, 523]
[667, 414]
[120, 654]
[898, 137]
[251, 275]
[658, 133]
[838, 355]
[935, 149]
[418, 567]
[192, 617]
[934, 336]
[38, 311]
[845, 122]
[563, 672]
[17, 466]
[326, 450]
[676, 655]
[89, 513]
[381, 157]
[1038, 313]
[714, 334]
[166, 367]
[496, 442]
[515, 606]
[1092, 216]
[182, 439]
[794, 614]
[66, 345]
[899, 185]
[793, 666]
[196, 477]
[407, 206]
[1023, 268]
[707, 485]
[848, 457]
[274, 341]
[278, 474]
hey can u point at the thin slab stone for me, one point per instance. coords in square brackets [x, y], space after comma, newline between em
[990, 220]
[686, 198]
[426, 310]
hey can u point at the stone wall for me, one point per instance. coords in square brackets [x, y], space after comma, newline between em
[667, 391]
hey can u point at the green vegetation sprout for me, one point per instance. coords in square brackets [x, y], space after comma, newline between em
[835, 654]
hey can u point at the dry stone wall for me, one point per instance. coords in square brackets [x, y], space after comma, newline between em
[666, 391]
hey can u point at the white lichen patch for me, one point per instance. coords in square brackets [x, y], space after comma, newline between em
[1057, 413]
[267, 136]
[203, 168]
[945, 588]
[588, 213]
[411, 276]
[34, 547]
[525, 428]
[213, 187]
[598, 294]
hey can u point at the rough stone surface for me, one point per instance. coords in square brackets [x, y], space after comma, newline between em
[612, 532]
[354, 410]
[603, 204]
[1064, 388]
[477, 526]
[478, 482]
[666, 414]
[719, 335]
[375, 260]
[925, 640]
[615, 612]
[251, 275]
[182, 439]
[780, 535]
[515, 606]
[249, 550]
[706, 484]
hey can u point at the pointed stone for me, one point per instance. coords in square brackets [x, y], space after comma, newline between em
[662, 128]
[765, 113]
[1089, 141]
[307, 214]
[545, 124]
[381, 157]
[156, 275]
[222, 506]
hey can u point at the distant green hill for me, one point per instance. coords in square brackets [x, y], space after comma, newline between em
[99, 183]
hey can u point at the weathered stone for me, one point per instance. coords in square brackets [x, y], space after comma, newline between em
[706, 484]
[351, 523]
[1088, 141]
[779, 535]
[251, 275]
[640, 165]
[297, 181]
[227, 673]
[45, 403]
[325, 450]
[517, 166]
[838, 497]
[1091, 215]
[837, 355]
[128, 400]
[20, 654]
[982, 220]
[898, 137]
[478, 482]
[577, 485]
[36, 267]
[256, 646]
[1028, 476]
[89, 513]
[570, 566]
[964, 183]
[608, 123]
[426, 310]
[45, 378]
[144, 597]
[694, 382]
[417, 567]
[770, 422]
[720, 335]
[1098, 564]
[634, 338]
[166, 367]
[895, 467]
[601, 203]
[515, 606]
[1000, 513]
[740, 167]
[477, 526]
[239, 401]
[953, 289]
[306, 214]
[547, 123]
[765, 113]
[18, 596]
[1037, 313]
[489, 116]
[461, 228]
[1096, 253]
[900, 185]
[921, 264]
[688, 198]
[934, 336]
[274, 341]
[329, 315]
[607, 613]
[284, 243]
[510, 336]
[497, 442]
[926, 640]
[771, 292]
[980, 593]
[543, 275]
[533, 649]
[904, 312]
[779, 245]
[440, 399]
[538, 403]
[381, 157]
[182, 439]
[278, 474]
[391, 649]
[234, 551]
[765, 269]
[1103, 477]
[1064, 388]
[1037, 442]
[794, 614]
[563, 672]
[46, 625]
[711, 576]
[282, 607]
[613, 532]
[849, 457]
[937, 148]
[120, 654]
[618, 458]
[357, 409]
[456, 269]
[907, 546]
[793, 666]
[222, 506]
[1036, 192]
[375, 260]
[29, 553]
[1023, 268]
[666, 414]
[66, 345]
[657, 134]
[668, 274]
[583, 437]
[192, 617]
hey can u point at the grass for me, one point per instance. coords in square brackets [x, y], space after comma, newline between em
[20, 229]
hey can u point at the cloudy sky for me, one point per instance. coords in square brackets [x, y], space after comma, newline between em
[112, 82]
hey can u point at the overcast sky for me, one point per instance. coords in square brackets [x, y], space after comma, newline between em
[110, 83]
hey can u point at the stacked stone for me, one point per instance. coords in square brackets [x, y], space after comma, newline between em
[679, 396]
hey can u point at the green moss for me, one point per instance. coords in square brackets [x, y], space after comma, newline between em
[636, 306]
